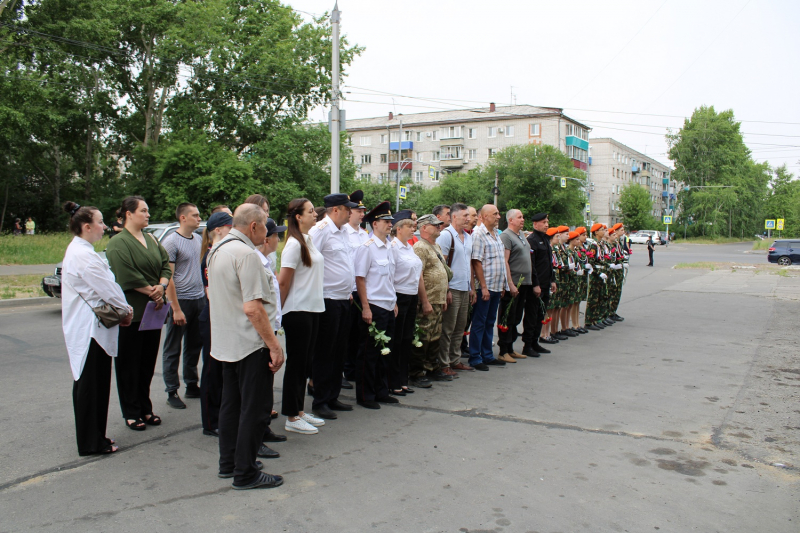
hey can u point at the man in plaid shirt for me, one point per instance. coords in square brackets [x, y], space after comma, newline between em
[488, 261]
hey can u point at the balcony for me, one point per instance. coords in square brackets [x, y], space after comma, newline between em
[634, 169]
[405, 165]
[665, 181]
[572, 140]
[407, 145]
[590, 160]
[451, 163]
[664, 194]
[579, 164]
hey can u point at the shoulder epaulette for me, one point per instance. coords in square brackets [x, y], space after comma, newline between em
[322, 224]
[369, 242]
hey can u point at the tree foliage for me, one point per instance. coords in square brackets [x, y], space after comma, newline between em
[784, 201]
[637, 208]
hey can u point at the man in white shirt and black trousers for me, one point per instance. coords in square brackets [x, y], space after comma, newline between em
[374, 265]
[357, 236]
[330, 238]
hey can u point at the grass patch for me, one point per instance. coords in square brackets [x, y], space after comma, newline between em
[762, 245]
[45, 249]
[24, 286]
[707, 265]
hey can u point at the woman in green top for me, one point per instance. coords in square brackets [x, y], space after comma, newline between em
[141, 267]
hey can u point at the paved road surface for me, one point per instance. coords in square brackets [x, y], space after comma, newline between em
[670, 421]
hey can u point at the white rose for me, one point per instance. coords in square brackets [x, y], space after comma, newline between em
[418, 344]
[385, 351]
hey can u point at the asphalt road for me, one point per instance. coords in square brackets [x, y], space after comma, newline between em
[671, 421]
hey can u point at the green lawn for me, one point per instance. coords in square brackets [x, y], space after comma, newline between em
[763, 245]
[45, 249]
[25, 286]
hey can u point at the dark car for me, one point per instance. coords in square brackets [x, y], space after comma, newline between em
[784, 252]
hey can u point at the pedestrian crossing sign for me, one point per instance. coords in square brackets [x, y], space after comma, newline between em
[769, 224]
[432, 173]
[588, 208]
[563, 183]
[667, 220]
[403, 192]
[780, 225]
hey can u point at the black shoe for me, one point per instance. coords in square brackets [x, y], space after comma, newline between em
[537, 350]
[581, 331]
[192, 391]
[387, 399]
[269, 436]
[548, 340]
[570, 333]
[398, 392]
[346, 384]
[211, 432]
[174, 401]
[482, 367]
[608, 322]
[310, 389]
[592, 327]
[225, 475]
[560, 337]
[420, 383]
[495, 362]
[617, 318]
[336, 405]
[528, 351]
[263, 481]
[267, 452]
[323, 411]
[441, 376]
[369, 404]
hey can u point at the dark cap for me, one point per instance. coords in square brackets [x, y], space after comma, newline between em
[357, 197]
[273, 228]
[403, 214]
[539, 217]
[218, 220]
[382, 211]
[335, 200]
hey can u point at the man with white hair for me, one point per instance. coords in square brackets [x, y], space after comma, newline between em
[520, 294]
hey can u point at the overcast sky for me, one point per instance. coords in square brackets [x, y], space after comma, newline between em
[610, 64]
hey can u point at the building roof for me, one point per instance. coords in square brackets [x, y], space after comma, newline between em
[478, 114]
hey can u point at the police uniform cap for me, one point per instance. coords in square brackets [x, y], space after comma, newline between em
[273, 228]
[382, 211]
[403, 214]
[335, 200]
[424, 220]
[357, 197]
[539, 216]
[218, 220]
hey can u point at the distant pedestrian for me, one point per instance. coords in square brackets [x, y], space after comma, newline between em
[17, 227]
[118, 226]
[650, 249]
[30, 226]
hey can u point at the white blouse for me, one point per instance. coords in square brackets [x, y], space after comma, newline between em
[305, 292]
[268, 266]
[85, 272]
[408, 267]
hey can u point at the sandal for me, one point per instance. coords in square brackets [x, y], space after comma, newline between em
[136, 425]
[398, 392]
[154, 420]
[110, 441]
[408, 391]
[108, 449]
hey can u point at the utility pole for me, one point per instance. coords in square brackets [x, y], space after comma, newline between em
[399, 164]
[496, 185]
[335, 155]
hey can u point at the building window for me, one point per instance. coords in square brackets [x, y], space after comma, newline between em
[535, 130]
[472, 154]
[419, 156]
[509, 131]
[350, 140]
[492, 152]
[420, 136]
[395, 136]
[366, 176]
[366, 159]
[366, 140]
[434, 156]
[492, 132]
[383, 177]
[451, 132]
[419, 176]
[408, 135]
[384, 158]
[450, 152]
[472, 133]
[383, 138]
[435, 135]
[435, 176]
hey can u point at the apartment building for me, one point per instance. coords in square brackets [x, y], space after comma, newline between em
[436, 143]
[612, 166]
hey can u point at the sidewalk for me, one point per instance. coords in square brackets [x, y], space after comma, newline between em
[20, 270]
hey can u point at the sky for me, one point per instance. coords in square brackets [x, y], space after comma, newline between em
[628, 69]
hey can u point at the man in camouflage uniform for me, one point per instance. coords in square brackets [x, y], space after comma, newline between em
[598, 290]
[431, 304]
[618, 259]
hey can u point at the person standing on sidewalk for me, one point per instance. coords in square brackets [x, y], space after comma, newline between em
[542, 276]
[456, 246]
[650, 249]
[357, 236]
[489, 265]
[188, 299]
[518, 269]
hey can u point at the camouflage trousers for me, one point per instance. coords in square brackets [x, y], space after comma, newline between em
[597, 304]
[615, 290]
[425, 358]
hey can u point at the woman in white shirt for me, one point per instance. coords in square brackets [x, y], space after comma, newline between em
[87, 283]
[300, 281]
[407, 279]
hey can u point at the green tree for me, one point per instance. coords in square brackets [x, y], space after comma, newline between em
[784, 201]
[637, 207]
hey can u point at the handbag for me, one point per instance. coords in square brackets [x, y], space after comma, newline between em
[108, 315]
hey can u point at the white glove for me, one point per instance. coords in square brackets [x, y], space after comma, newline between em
[615, 267]
[580, 272]
[589, 267]
[603, 276]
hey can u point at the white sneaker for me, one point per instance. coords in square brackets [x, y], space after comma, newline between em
[313, 420]
[300, 426]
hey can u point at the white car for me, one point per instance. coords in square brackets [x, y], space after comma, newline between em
[642, 236]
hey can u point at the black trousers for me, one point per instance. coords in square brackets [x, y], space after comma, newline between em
[134, 367]
[330, 350]
[371, 366]
[210, 381]
[525, 304]
[301, 336]
[354, 343]
[246, 406]
[192, 345]
[90, 401]
[650, 253]
[536, 316]
[404, 325]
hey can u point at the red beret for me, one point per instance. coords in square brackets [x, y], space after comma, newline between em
[597, 227]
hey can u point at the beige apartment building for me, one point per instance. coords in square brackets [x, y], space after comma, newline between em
[612, 166]
[436, 143]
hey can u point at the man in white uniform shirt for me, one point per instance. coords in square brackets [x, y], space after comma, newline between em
[357, 236]
[330, 238]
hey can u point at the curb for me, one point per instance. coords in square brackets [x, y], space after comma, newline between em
[25, 302]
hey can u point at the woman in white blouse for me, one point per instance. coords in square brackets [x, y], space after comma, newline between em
[300, 281]
[407, 279]
[88, 282]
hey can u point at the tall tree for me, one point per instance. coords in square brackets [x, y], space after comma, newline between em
[637, 207]
[784, 201]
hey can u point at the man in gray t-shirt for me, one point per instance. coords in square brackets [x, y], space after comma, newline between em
[187, 299]
[521, 300]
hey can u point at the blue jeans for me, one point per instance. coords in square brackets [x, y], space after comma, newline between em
[484, 315]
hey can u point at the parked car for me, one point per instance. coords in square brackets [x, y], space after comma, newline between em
[784, 252]
[642, 236]
[51, 285]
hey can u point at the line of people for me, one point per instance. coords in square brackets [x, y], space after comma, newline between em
[385, 308]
